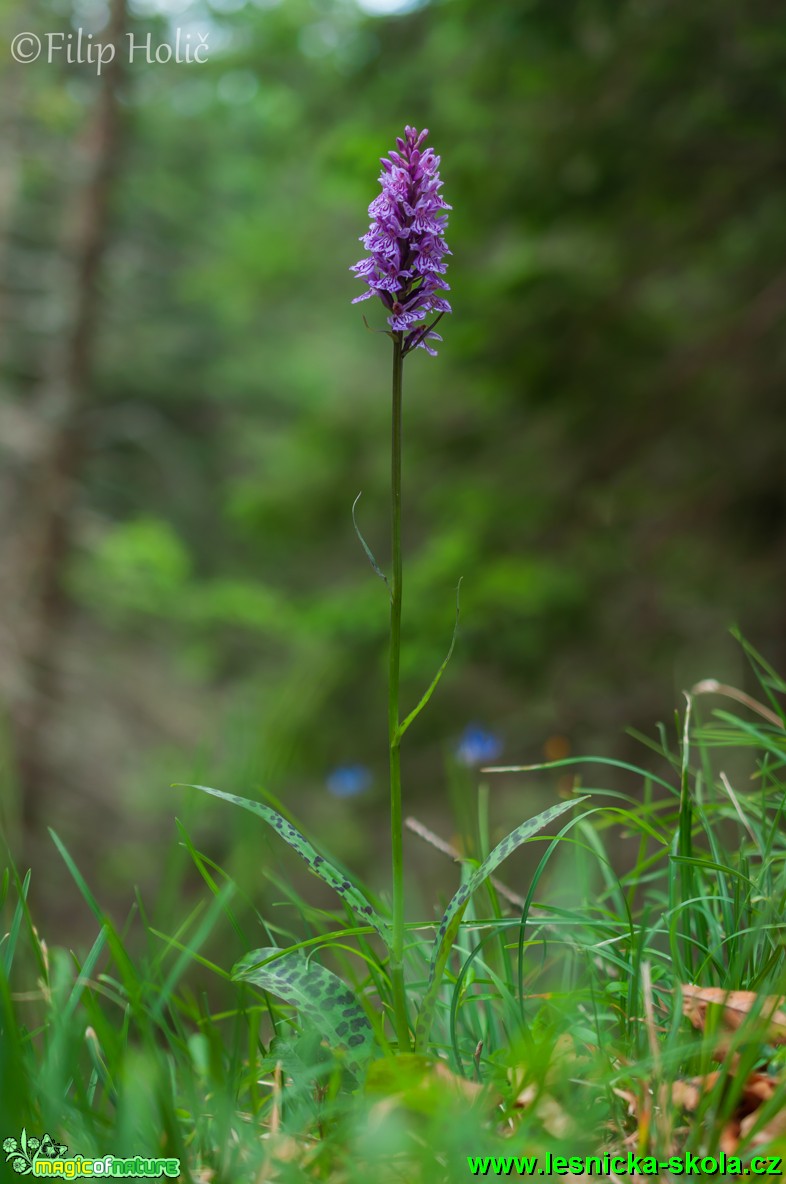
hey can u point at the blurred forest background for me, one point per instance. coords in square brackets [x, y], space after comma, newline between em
[189, 404]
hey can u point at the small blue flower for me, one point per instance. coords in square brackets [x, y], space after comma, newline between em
[477, 746]
[347, 781]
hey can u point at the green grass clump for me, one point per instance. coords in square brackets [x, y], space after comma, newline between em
[564, 1026]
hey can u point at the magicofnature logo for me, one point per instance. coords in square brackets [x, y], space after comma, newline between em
[24, 1153]
[45, 1157]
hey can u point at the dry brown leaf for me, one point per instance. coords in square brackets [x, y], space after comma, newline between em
[730, 1138]
[737, 1006]
[775, 1128]
[629, 1097]
[757, 1090]
[526, 1096]
[554, 1117]
[687, 1094]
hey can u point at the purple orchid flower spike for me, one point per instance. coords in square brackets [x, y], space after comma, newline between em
[405, 265]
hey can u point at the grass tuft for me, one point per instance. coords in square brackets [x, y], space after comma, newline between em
[632, 999]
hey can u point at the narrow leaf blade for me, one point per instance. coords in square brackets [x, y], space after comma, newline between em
[365, 546]
[413, 715]
[449, 925]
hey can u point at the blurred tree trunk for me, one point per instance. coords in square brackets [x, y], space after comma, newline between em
[47, 534]
[9, 161]
[10, 116]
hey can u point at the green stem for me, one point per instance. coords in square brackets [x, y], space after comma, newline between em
[396, 821]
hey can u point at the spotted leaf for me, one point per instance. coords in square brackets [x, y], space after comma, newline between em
[319, 865]
[317, 993]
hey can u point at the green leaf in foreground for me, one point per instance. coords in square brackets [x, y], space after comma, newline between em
[319, 865]
[317, 993]
[449, 925]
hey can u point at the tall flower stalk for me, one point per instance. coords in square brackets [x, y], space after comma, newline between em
[405, 268]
